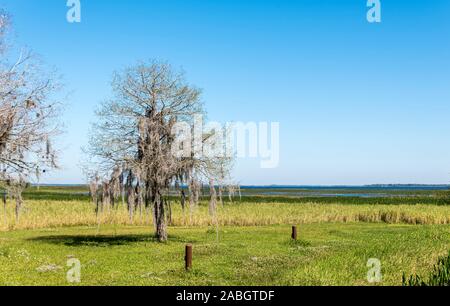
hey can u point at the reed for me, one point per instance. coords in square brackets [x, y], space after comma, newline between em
[50, 214]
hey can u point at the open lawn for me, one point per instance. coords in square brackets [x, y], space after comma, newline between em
[326, 254]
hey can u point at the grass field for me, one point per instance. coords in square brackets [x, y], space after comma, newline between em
[251, 246]
[38, 214]
[327, 254]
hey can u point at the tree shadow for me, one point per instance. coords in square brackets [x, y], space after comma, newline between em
[101, 240]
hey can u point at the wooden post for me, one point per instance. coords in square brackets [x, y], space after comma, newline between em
[188, 257]
[294, 233]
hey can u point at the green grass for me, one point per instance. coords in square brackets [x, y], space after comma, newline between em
[394, 197]
[57, 193]
[440, 276]
[392, 200]
[326, 254]
[338, 235]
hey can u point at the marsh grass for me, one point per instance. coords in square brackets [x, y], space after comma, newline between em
[49, 214]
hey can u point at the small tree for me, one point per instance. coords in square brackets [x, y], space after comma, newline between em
[133, 141]
[27, 118]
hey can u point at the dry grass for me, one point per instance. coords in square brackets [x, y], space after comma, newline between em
[48, 214]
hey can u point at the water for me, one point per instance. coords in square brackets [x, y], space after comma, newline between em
[371, 191]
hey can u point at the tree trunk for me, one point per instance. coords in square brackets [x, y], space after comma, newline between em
[5, 208]
[160, 219]
[183, 199]
[169, 212]
[97, 207]
[18, 206]
[4, 201]
[130, 203]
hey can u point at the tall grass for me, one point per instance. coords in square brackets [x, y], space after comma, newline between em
[47, 214]
[440, 276]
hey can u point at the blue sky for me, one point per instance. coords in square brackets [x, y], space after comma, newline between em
[358, 103]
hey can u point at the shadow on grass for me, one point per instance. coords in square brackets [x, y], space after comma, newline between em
[299, 243]
[102, 240]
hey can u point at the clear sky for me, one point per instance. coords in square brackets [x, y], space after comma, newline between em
[358, 103]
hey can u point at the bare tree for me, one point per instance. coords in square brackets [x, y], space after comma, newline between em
[27, 118]
[135, 133]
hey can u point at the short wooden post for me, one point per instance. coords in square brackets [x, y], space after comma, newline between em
[294, 232]
[188, 257]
